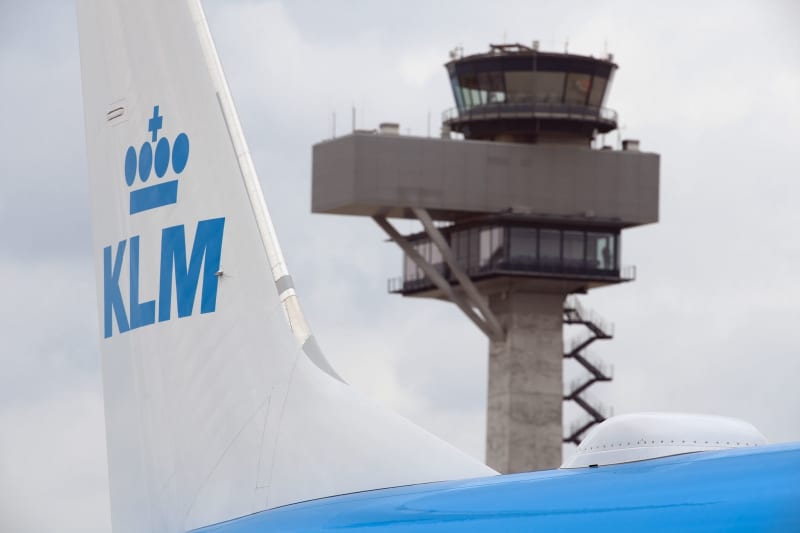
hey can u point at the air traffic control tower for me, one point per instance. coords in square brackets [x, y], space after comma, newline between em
[524, 210]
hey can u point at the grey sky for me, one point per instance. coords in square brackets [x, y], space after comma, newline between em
[709, 325]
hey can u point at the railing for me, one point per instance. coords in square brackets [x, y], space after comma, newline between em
[605, 372]
[531, 110]
[596, 370]
[556, 270]
[576, 313]
[628, 272]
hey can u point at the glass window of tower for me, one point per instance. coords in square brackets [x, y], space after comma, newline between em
[525, 87]
[577, 89]
[457, 92]
[424, 249]
[459, 241]
[549, 247]
[549, 87]
[522, 246]
[491, 246]
[519, 87]
[600, 248]
[408, 268]
[435, 257]
[472, 91]
[598, 91]
[573, 249]
[412, 271]
[465, 97]
[491, 83]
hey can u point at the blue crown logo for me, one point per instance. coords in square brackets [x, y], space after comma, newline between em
[163, 192]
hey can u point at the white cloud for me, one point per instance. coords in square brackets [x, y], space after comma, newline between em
[707, 327]
[53, 475]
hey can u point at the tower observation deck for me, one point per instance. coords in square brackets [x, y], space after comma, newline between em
[518, 94]
[516, 216]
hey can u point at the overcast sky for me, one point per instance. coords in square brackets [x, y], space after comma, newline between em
[710, 325]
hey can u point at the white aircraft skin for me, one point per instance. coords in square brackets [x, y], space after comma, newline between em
[218, 402]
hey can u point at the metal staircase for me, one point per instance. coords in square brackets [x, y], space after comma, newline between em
[598, 329]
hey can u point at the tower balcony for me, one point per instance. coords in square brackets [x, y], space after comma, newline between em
[571, 259]
[517, 121]
[421, 286]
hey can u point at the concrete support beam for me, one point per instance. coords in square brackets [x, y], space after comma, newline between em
[470, 291]
[436, 277]
[524, 419]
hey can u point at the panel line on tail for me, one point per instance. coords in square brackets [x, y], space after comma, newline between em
[264, 405]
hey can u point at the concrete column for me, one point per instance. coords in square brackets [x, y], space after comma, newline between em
[524, 418]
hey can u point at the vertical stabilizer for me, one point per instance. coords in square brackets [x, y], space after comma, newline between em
[218, 401]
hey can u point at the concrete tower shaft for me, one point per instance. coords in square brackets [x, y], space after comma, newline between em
[525, 382]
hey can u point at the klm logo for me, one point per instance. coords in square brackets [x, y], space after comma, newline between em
[165, 192]
[180, 273]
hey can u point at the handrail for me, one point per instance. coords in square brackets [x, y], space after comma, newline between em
[597, 370]
[537, 109]
[627, 273]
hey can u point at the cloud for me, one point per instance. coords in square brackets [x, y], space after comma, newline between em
[52, 460]
[42, 154]
[707, 327]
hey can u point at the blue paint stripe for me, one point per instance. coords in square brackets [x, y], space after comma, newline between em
[154, 196]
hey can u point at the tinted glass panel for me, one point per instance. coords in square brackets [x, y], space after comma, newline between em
[469, 81]
[519, 87]
[409, 269]
[613, 253]
[600, 251]
[491, 246]
[457, 92]
[573, 249]
[577, 88]
[460, 244]
[525, 87]
[412, 271]
[465, 97]
[472, 91]
[473, 247]
[492, 84]
[522, 246]
[598, 91]
[549, 87]
[549, 247]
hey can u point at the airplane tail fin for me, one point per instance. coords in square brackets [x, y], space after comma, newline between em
[218, 401]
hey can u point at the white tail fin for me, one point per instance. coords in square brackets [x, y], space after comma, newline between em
[218, 402]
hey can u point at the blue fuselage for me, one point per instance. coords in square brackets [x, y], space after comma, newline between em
[754, 489]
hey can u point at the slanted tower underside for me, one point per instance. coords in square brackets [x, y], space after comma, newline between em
[515, 217]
